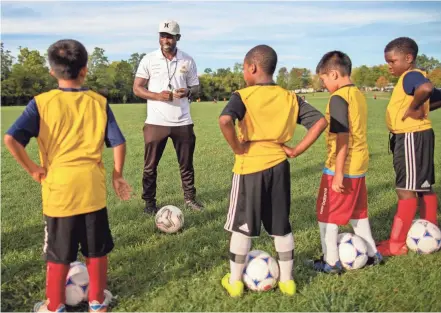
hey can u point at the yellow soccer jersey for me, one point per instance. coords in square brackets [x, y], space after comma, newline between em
[400, 101]
[347, 112]
[71, 126]
[268, 115]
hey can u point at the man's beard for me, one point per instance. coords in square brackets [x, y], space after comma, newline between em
[169, 48]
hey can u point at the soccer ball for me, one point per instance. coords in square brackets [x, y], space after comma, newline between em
[261, 271]
[169, 219]
[77, 284]
[352, 250]
[423, 237]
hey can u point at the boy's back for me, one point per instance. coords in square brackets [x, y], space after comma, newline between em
[72, 127]
[71, 140]
[268, 116]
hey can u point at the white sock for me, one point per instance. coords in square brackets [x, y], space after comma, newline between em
[285, 248]
[239, 247]
[322, 227]
[328, 235]
[362, 228]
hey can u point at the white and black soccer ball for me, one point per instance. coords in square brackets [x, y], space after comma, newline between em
[169, 219]
[261, 271]
[424, 237]
[352, 251]
[77, 284]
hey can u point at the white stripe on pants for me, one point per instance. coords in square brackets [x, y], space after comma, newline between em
[409, 150]
[233, 202]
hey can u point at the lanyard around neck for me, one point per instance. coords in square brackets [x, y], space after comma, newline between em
[168, 72]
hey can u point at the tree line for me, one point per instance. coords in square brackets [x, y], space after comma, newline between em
[27, 75]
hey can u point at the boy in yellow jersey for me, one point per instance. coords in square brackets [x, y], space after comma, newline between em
[71, 125]
[342, 195]
[412, 142]
[261, 184]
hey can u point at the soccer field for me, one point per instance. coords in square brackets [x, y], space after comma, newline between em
[151, 271]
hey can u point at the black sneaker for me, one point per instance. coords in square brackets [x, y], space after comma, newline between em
[375, 260]
[194, 205]
[151, 209]
[319, 265]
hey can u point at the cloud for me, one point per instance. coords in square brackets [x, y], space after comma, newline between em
[218, 32]
[197, 20]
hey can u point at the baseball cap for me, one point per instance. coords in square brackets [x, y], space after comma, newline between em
[170, 27]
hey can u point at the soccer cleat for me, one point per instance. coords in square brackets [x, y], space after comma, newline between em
[321, 266]
[391, 248]
[194, 205]
[396, 245]
[288, 287]
[375, 260]
[235, 289]
[151, 209]
[95, 306]
[42, 307]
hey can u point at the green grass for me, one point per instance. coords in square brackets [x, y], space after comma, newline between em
[151, 271]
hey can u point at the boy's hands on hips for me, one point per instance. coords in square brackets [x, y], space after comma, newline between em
[38, 173]
[417, 114]
[290, 152]
[242, 148]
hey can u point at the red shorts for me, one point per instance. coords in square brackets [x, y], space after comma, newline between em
[339, 208]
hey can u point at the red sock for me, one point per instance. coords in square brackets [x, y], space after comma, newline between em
[429, 208]
[56, 284]
[403, 219]
[97, 268]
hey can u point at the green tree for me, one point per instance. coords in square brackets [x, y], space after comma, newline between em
[435, 77]
[122, 81]
[306, 78]
[134, 60]
[295, 78]
[99, 77]
[97, 59]
[360, 76]
[381, 82]
[27, 78]
[237, 68]
[6, 62]
[282, 77]
[426, 63]
[316, 82]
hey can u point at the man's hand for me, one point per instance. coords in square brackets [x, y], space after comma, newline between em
[164, 96]
[181, 93]
[337, 183]
[38, 173]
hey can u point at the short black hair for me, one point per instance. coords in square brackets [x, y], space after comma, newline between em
[404, 45]
[66, 58]
[335, 60]
[264, 56]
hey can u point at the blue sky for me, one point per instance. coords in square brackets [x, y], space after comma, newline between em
[218, 34]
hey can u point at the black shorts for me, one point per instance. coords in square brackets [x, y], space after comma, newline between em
[64, 234]
[413, 155]
[262, 197]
